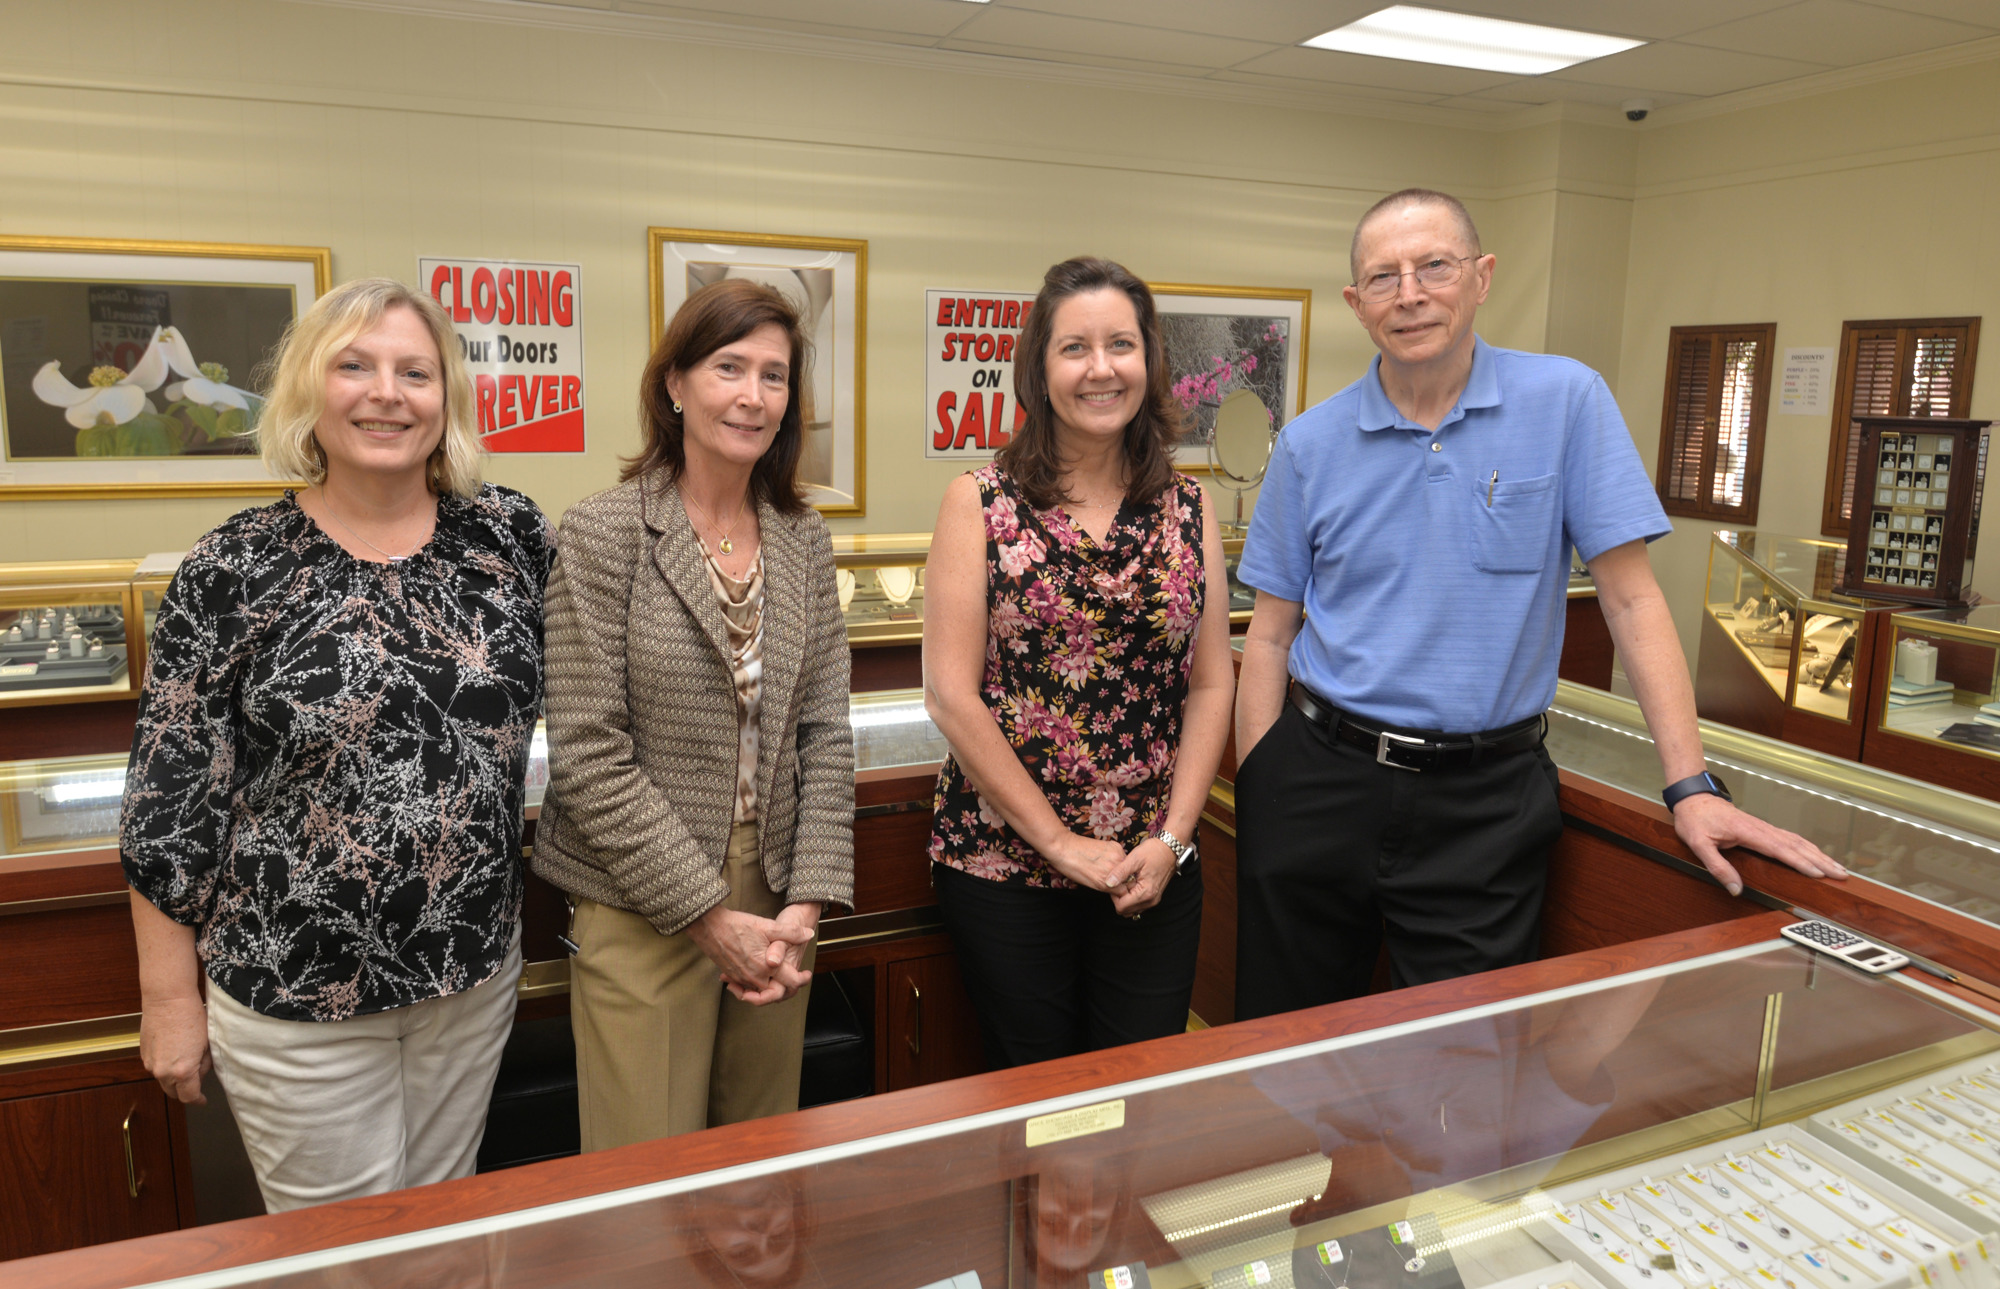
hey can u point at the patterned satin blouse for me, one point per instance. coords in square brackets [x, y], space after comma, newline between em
[326, 779]
[1088, 651]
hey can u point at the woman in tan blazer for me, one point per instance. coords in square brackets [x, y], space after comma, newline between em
[701, 771]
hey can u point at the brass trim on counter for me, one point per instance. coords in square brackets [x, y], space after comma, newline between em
[871, 928]
[545, 979]
[103, 1036]
[1877, 787]
[57, 903]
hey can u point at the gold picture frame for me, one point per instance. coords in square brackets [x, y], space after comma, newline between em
[1188, 363]
[828, 278]
[254, 286]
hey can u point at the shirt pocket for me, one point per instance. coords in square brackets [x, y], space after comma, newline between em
[1512, 524]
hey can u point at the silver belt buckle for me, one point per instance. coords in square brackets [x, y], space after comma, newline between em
[1382, 741]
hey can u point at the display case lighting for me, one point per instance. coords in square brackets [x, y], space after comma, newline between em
[77, 791]
[1460, 40]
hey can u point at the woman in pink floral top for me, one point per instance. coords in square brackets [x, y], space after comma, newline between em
[1076, 657]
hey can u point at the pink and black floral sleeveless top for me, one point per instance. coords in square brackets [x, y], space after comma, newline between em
[1088, 650]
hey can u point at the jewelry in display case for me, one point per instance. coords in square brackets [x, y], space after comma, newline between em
[63, 634]
[1915, 504]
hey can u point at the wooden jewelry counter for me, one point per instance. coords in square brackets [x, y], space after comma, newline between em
[1225, 1134]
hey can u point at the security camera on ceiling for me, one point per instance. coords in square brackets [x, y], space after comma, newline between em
[1637, 108]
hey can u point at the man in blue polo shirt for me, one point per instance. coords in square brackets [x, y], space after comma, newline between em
[1410, 553]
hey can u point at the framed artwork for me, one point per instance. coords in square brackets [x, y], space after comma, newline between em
[126, 367]
[827, 278]
[1220, 339]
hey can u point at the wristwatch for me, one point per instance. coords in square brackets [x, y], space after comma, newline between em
[1184, 851]
[1693, 786]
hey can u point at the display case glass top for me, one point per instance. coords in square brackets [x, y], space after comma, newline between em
[1673, 1128]
[71, 803]
[1932, 842]
[1944, 686]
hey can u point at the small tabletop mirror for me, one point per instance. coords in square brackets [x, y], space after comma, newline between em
[1240, 449]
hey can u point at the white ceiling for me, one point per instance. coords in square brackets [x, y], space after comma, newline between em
[1698, 48]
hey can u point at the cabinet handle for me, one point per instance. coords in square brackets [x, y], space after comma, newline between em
[915, 1038]
[132, 1178]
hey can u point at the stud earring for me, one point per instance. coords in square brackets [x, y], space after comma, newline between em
[677, 405]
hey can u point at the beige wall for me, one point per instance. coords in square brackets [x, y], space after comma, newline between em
[386, 137]
[1876, 202]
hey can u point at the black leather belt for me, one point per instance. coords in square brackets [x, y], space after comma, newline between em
[1418, 749]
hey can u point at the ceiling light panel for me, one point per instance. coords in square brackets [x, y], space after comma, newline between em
[1461, 40]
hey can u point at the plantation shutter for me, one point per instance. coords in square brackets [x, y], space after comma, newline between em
[1916, 367]
[1712, 426]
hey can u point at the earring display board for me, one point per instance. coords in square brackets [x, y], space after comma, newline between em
[1917, 488]
[1770, 1210]
[1938, 1136]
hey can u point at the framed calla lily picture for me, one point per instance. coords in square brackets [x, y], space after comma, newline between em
[130, 368]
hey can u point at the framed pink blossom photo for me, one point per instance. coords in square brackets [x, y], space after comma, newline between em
[1222, 339]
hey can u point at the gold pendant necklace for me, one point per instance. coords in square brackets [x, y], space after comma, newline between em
[723, 542]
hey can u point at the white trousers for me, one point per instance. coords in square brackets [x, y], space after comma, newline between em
[331, 1110]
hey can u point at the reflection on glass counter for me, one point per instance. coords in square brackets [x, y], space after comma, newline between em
[1939, 845]
[71, 803]
[1677, 1128]
[1946, 678]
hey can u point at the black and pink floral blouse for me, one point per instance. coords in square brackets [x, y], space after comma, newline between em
[1088, 651]
[326, 778]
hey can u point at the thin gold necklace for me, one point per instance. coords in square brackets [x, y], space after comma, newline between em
[726, 546]
[326, 501]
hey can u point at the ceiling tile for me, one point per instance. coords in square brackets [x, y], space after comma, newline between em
[1068, 56]
[1639, 19]
[1835, 32]
[1331, 66]
[1049, 32]
[1281, 22]
[1376, 92]
[1980, 13]
[1669, 67]
[862, 18]
[1474, 103]
[1541, 89]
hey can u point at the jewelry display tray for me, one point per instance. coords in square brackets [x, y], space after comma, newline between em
[1772, 1265]
[1971, 1199]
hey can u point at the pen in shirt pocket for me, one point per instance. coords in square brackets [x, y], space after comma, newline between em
[1489, 489]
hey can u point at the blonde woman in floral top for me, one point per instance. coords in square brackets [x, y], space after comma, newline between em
[322, 819]
[1076, 657]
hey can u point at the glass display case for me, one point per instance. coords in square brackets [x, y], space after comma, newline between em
[1930, 841]
[882, 585]
[1771, 600]
[1672, 1128]
[63, 636]
[1938, 698]
[71, 803]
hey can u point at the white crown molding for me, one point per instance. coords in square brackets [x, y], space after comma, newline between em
[562, 17]
[1840, 78]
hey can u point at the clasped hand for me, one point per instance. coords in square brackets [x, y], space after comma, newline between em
[761, 959]
[1135, 879]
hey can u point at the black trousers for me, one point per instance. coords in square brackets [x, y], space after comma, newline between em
[1056, 972]
[1337, 855]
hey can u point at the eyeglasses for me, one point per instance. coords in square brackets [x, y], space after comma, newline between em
[1377, 287]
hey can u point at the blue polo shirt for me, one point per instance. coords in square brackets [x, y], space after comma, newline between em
[1434, 567]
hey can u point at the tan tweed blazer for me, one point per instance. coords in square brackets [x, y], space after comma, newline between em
[641, 714]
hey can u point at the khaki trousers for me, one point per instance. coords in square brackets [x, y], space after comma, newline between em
[661, 1047]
